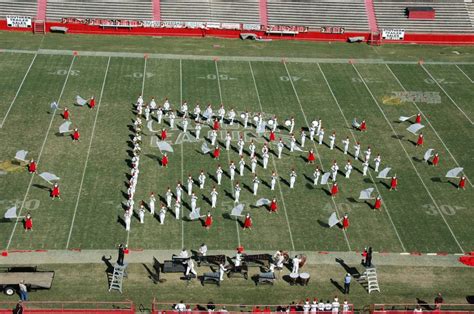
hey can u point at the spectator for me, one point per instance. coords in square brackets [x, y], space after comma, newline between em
[321, 306]
[438, 300]
[23, 291]
[347, 283]
[224, 309]
[368, 261]
[328, 306]
[18, 308]
[180, 307]
[345, 307]
[335, 305]
[267, 310]
[211, 307]
[417, 309]
[306, 306]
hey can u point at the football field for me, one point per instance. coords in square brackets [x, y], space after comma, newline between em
[427, 214]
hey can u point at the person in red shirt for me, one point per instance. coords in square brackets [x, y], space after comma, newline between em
[217, 152]
[345, 222]
[419, 142]
[32, 166]
[334, 189]
[164, 160]
[163, 134]
[363, 126]
[66, 114]
[418, 118]
[311, 157]
[393, 183]
[76, 135]
[378, 203]
[435, 160]
[272, 136]
[55, 192]
[28, 223]
[92, 102]
[216, 125]
[208, 221]
[248, 222]
[273, 206]
[267, 310]
[462, 183]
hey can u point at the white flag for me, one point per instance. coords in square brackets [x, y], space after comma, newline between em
[428, 154]
[384, 173]
[195, 214]
[415, 128]
[64, 128]
[355, 124]
[80, 101]
[164, 146]
[49, 177]
[237, 210]
[325, 178]
[333, 220]
[11, 213]
[454, 173]
[366, 194]
[261, 128]
[54, 106]
[403, 118]
[21, 155]
[262, 201]
[204, 148]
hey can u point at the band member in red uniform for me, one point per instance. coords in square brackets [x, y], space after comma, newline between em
[334, 189]
[419, 142]
[55, 192]
[32, 166]
[28, 223]
[418, 118]
[435, 160]
[217, 152]
[164, 160]
[163, 134]
[462, 183]
[378, 203]
[272, 136]
[216, 125]
[248, 222]
[208, 221]
[311, 157]
[76, 135]
[363, 126]
[92, 102]
[393, 183]
[66, 114]
[273, 206]
[345, 222]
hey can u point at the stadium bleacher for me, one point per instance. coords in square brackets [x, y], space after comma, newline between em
[315, 14]
[18, 7]
[451, 16]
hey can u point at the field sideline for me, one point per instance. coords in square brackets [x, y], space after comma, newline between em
[427, 214]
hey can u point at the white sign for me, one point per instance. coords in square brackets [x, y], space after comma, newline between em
[251, 27]
[18, 21]
[393, 34]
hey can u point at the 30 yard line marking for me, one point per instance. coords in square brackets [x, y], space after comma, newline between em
[18, 91]
[40, 154]
[143, 90]
[87, 156]
[315, 147]
[182, 155]
[408, 157]
[467, 76]
[428, 121]
[446, 93]
[354, 138]
[228, 154]
[274, 163]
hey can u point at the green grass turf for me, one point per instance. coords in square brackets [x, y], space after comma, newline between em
[427, 214]
[88, 283]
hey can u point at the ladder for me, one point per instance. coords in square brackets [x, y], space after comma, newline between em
[120, 271]
[370, 275]
[39, 27]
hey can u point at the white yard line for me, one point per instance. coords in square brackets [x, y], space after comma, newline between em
[87, 156]
[315, 148]
[467, 76]
[40, 154]
[409, 158]
[274, 164]
[446, 93]
[143, 90]
[18, 91]
[228, 154]
[428, 121]
[384, 204]
[182, 155]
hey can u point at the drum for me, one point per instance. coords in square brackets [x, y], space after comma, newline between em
[288, 122]
[255, 119]
[242, 115]
[304, 279]
[293, 278]
[270, 122]
[303, 260]
[314, 124]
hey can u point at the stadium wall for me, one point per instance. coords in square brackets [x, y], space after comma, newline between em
[410, 38]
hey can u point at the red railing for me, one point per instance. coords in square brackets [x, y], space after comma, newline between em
[125, 307]
[424, 307]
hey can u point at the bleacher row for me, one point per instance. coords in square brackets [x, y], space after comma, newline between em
[452, 16]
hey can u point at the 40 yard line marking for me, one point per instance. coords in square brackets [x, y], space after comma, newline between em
[467, 76]
[408, 157]
[228, 154]
[428, 121]
[18, 91]
[87, 156]
[353, 137]
[40, 154]
[446, 93]
[315, 148]
[274, 164]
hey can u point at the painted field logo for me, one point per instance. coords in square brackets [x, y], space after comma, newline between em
[397, 98]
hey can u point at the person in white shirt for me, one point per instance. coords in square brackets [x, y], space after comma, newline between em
[162, 214]
[184, 109]
[356, 150]
[265, 158]
[151, 203]
[292, 124]
[203, 249]
[348, 169]
[292, 143]
[214, 194]
[190, 268]
[246, 120]
[240, 145]
[335, 305]
[159, 114]
[228, 138]
[237, 190]
[180, 307]
[221, 113]
[256, 182]
[179, 191]
[190, 185]
[306, 307]
[197, 112]
[334, 170]
[346, 145]
[312, 131]
[213, 137]
[377, 160]
[147, 113]
[219, 173]
[280, 146]
[368, 152]
[197, 130]
[222, 270]
[253, 163]
[141, 214]
[169, 197]
[316, 175]
[296, 264]
[252, 148]
[303, 137]
[172, 117]
[177, 209]
[185, 124]
[231, 116]
[242, 165]
[332, 140]
[321, 136]
[202, 179]
[193, 201]
[166, 105]
[273, 181]
[293, 176]
[232, 171]
[365, 167]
